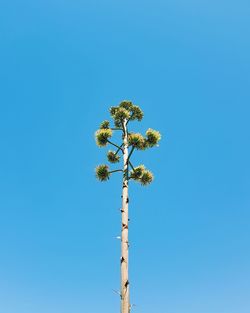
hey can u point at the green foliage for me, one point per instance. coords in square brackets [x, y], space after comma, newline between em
[142, 175]
[126, 105]
[121, 114]
[102, 172]
[152, 137]
[136, 113]
[126, 110]
[146, 178]
[136, 173]
[104, 125]
[112, 110]
[136, 140]
[113, 157]
[118, 123]
[102, 136]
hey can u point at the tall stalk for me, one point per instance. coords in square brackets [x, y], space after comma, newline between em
[122, 114]
[125, 304]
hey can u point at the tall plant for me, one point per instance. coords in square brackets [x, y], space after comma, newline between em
[122, 115]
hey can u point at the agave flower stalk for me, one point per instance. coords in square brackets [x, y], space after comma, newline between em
[122, 114]
[125, 304]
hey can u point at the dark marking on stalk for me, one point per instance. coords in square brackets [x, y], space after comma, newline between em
[126, 284]
[124, 226]
[122, 259]
[127, 200]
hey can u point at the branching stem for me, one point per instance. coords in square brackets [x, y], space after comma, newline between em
[132, 150]
[114, 145]
[131, 165]
[115, 171]
[120, 148]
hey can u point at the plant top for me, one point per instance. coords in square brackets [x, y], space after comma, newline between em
[122, 115]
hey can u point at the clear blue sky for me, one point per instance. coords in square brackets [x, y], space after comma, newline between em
[62, 65]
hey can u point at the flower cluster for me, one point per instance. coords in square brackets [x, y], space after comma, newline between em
[128, 105]
[136, 113]
[152, 137]
[136, 140]
[136, 173]
[102, 136]
[126, 110]
[102, 172]
[113, 157]
[119, 114]
[142, 175]
[123, 113]
[139, 142]
[146, 178]
[104, 125]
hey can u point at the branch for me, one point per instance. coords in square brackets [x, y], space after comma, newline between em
[115, 171]
[118, 292]
[127, 174]
[120, 148]
[132, 150]
[132, 168]
[123, 126]
[114, 145]
[131, 165]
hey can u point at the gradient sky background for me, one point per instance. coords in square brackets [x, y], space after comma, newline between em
[62, 65]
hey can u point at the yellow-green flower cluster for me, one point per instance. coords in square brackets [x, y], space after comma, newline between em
[113, 157]
[136, 173]
[152, 137]
[102, 136]
[139, 142]
[136, 113]
[121, 114]
[125, 110]
[146, 178]
[136, 140]
[102, 172]
[128, 105]
[142, 175]
[104, 125]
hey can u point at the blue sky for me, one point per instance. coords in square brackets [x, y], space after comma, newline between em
[63, 64]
